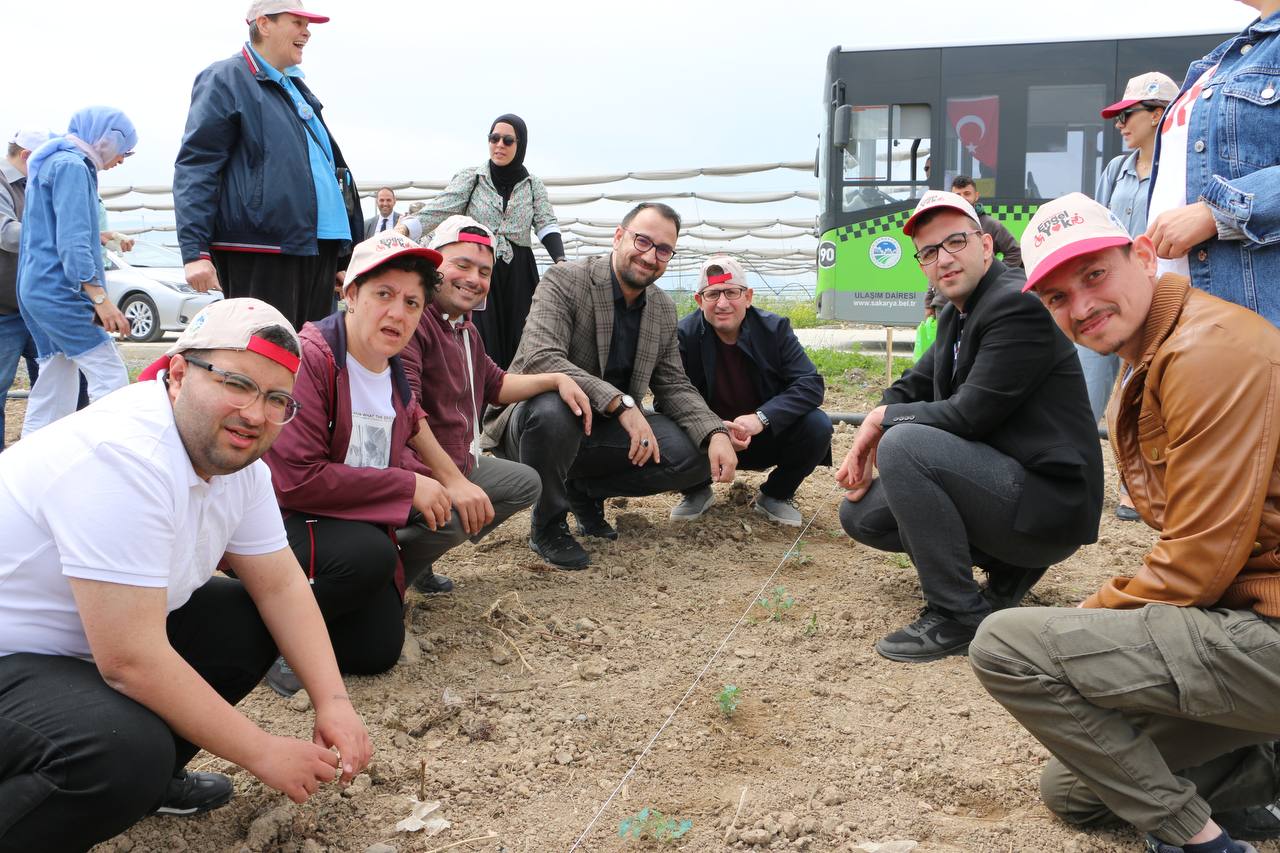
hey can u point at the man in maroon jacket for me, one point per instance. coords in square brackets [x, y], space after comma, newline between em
[455, 379]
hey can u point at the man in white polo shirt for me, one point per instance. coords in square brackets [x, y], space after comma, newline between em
[120, 654]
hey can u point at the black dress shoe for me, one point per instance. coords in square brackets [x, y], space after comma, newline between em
[430, 583]
[1006, 587]
[193, 793]
[557, 546]
[1127, 513]
[591, 520]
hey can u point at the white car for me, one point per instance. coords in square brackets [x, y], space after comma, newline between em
[151, 290]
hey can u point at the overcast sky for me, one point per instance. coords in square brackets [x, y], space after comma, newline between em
[410, 88]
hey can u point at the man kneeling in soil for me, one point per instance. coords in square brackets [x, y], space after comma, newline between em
[1158, 699]
[986, 448]
[120, 654]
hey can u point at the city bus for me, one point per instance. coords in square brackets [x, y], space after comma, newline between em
[1022, 120]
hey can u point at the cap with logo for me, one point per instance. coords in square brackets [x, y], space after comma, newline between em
[935, 199]
[234, 324]
[30, 139]
[1152, 86]
[277, 7]
[731, 273]
[450, 231]
[1066, 228]
[379, 249]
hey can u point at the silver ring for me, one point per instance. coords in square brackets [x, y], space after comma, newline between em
[644, 442]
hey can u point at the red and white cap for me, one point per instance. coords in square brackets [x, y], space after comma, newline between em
[1152, 86]
[379, 249]
[1066, 228]
[277, 7]
[935, 199]
[731, 274]
[234, 324]
[450, 231]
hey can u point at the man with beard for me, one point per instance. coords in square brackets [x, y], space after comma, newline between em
[121, 654]
[605, 323]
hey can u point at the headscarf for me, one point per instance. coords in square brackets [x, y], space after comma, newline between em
[506, 177]
[98, 133]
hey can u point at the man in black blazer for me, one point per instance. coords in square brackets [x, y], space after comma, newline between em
[387, 216]
[750, 368]
[986, 449]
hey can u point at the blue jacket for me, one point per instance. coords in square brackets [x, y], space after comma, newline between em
[785, 378]
[1232, 156]
[242, 180]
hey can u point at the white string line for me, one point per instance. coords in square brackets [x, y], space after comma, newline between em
[636, 764]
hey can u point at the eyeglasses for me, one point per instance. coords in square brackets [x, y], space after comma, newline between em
[505, 139]
[242, 392]
[733, 294]
[644, 244]
[1123, 116]
[954, 244]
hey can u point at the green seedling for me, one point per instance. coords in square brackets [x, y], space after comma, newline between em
[728, 699]
[902, 561]
[653, 825]
[798, 554]
[777, 603]
[811, 627]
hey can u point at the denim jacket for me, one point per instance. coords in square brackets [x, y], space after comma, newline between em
[1232, 165]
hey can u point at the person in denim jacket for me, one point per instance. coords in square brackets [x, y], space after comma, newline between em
[1215, 201]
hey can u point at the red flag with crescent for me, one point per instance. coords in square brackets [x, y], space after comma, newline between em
[976, 123]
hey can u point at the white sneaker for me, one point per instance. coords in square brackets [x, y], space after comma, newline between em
[783, 512]
[693, 505]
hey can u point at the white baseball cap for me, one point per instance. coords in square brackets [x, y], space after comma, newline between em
[382, 247]
[30, 139]
[450, 231]
[1152, 86]
[934, 199]
[1066, 228]
[733, 273]
[277, 7]
[234, 324]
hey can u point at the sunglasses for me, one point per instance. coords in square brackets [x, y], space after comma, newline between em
[1122, 117]
[505, 139]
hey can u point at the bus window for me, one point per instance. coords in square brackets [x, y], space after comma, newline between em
[884, 161]
[1064, 131]
[864, 159]
[973, 141]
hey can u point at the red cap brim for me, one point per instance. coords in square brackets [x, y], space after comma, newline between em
[1066, 253]
[1119, 107]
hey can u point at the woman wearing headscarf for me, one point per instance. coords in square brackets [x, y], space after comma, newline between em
[505, 198]
[60, 273]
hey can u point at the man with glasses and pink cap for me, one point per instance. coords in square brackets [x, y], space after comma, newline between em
[121, 652]
[750, 368]
[1157, 695]
[986, 451]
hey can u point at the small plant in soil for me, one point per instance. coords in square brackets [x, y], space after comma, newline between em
[651, 824]
[798, 554]
[728, 699]
[902, 561]
[776, 604]
[811, 627]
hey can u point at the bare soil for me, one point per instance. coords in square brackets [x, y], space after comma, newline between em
[526, 695]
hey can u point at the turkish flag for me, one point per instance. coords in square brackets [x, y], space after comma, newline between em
[976, 123]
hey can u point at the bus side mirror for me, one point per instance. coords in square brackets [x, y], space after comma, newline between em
[843, 133]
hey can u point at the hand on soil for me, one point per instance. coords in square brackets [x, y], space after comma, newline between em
[294, 767]
[339, 727]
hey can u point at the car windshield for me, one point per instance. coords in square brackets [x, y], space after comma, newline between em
[151, 255]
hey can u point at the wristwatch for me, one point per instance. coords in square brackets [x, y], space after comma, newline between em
[99, 299]
[627, 402]
[763, 418]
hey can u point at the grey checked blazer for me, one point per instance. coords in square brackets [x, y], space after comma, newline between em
[569, 330]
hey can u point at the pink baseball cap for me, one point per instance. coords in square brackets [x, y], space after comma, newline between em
[379, 249]
[935, 199]
[1066, 228]
[277, 7]
[1152, 86]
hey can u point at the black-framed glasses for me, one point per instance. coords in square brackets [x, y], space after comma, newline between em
[242, 392]
[644, 243]
[733, 294]
[504, 138]
[954, 244]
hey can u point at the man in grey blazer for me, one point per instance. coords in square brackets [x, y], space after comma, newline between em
[387, 216]
[604, 322]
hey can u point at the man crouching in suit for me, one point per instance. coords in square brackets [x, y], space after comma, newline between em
[987, 451]
[605, 323]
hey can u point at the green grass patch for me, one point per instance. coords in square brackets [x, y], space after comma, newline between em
[845, 366]
[803, 313]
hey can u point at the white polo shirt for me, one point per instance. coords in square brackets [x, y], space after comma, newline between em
[109, 494]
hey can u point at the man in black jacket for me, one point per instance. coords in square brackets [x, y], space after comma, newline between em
[986, 449]
[750, 368]
[260, 187]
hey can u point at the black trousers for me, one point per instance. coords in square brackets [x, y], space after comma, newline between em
[543, 434]
[795, 451]
[299, 286]
[81, 762]
[352, 567]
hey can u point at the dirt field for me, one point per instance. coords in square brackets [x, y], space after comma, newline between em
[525, 696]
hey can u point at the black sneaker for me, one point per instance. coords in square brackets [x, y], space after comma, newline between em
[1007, 587]
[282, 679]
[557, 546]
[1256, 823]
[930, 637]
[591, 520]
[430, 583]
[1155, 845]
[193, 793]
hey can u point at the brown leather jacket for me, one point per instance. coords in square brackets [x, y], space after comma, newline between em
[1195, 431]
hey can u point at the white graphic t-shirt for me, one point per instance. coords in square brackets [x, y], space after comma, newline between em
[372, 415]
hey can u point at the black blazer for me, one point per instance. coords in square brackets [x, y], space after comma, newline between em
[1018, 387]
[785, 378]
